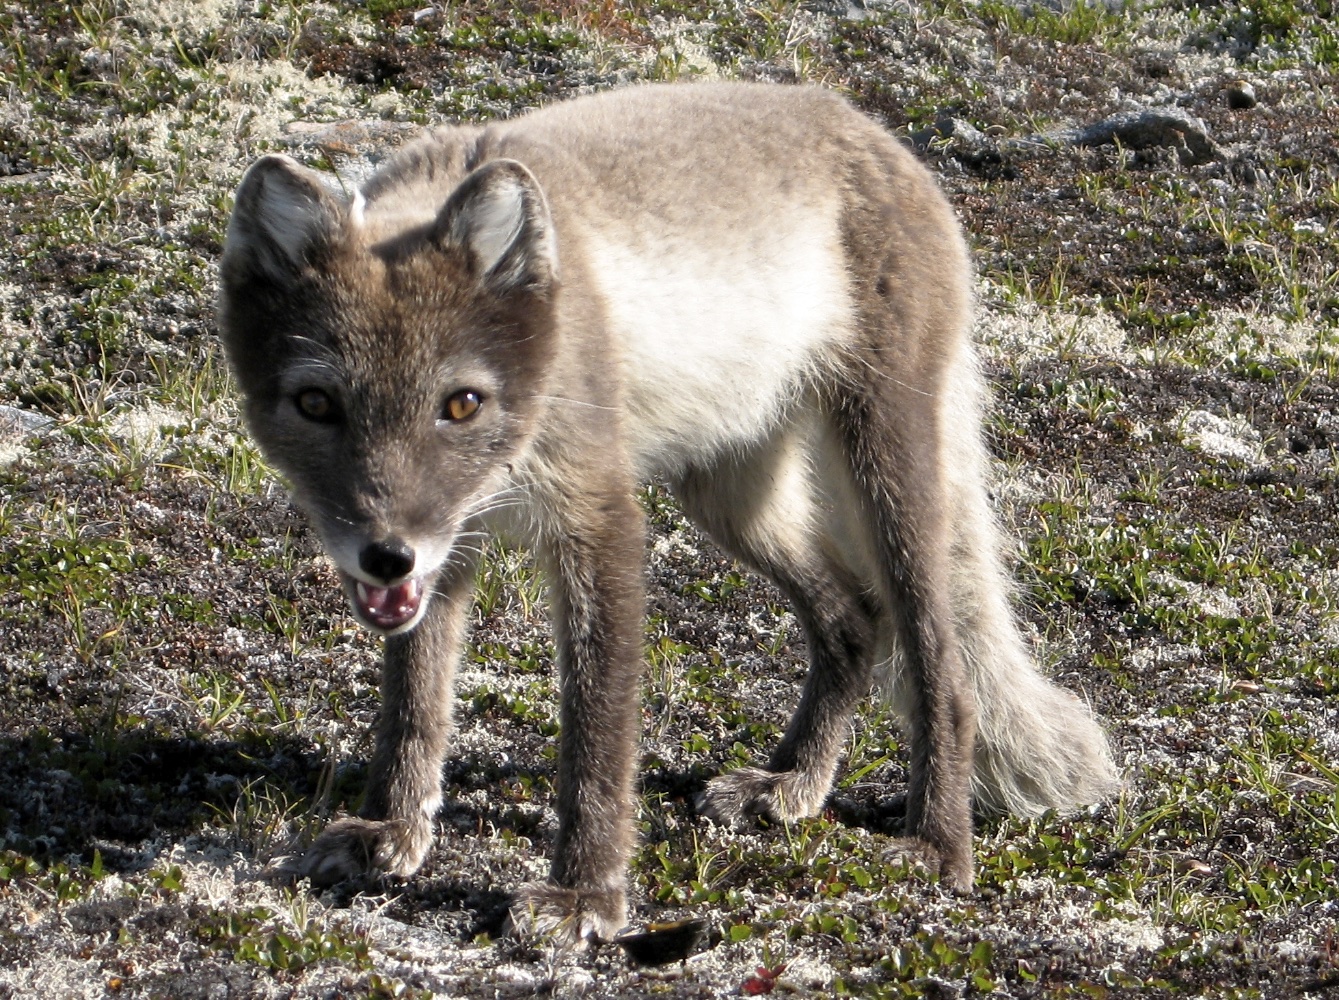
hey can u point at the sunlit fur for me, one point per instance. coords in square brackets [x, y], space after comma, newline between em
[751, 292]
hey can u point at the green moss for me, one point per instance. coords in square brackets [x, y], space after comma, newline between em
[255, 936]
[1079, 22]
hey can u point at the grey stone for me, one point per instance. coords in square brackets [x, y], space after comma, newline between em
[1154, 127]
[17, 424]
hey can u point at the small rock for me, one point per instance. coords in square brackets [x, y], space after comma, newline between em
[663, 943]
[17, 424]
[1139, 129]
[386, 104]
[1193, 866]
[1240, 95]
[960, 137]
[1155, 127]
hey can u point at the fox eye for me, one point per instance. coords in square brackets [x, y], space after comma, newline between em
[461, 405]
[315, 404]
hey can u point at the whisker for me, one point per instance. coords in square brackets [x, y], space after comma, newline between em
[320, 508]
[574, 402]
[324, 358]
[507, 496]
[890, 378]
[504, 505]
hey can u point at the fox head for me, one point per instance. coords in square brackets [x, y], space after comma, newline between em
[391, 374]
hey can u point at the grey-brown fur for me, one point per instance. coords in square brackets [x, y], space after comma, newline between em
[751, 291]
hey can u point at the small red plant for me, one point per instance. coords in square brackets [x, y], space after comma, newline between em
[762, 981]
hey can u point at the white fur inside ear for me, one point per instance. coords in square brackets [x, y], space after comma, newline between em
[494, 223]
[290, 215]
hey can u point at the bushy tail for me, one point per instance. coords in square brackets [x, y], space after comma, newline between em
[1038, 746]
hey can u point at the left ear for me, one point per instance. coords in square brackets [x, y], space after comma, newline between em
[499, 217]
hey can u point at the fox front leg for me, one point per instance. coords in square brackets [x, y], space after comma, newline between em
[394, 829]
[596, 592]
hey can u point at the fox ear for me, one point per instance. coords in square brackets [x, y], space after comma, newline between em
[282, 217]
[499, 217]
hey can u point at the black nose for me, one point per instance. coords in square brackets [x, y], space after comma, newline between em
[388, 559]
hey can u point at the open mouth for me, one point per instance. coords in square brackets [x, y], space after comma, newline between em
[388, 608]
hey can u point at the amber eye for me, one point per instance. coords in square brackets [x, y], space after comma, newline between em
[315, 404]
[462, 405]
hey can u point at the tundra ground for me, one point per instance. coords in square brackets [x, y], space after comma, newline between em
[1152, 192]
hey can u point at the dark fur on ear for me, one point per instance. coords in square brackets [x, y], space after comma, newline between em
[283, 220]
[498, 217]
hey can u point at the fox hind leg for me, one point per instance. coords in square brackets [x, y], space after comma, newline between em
[764, 509]
[890, 430]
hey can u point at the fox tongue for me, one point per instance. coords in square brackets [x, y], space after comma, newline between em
[388, 607]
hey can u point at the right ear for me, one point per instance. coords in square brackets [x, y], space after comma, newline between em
[499, 218]
[283, 215]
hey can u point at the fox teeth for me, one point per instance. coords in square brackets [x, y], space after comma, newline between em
[388, 607]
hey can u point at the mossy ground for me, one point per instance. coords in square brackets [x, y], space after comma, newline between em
[184, 693]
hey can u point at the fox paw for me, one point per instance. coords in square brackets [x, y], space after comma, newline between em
[570, 918]
[737, 798]
[954, 874]
[352, 847]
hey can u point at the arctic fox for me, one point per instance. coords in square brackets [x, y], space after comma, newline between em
[751, 292]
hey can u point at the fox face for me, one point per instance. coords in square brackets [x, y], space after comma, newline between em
[393, 379]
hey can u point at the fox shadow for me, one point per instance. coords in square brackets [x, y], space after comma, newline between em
[66, 794]
[70, 796]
